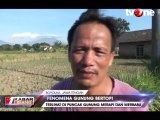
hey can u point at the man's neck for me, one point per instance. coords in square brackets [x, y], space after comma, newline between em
[103, 88]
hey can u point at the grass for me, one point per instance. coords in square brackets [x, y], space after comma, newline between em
[140, 77]
[24, 73]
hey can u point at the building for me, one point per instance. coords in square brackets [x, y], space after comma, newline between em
[135, 44]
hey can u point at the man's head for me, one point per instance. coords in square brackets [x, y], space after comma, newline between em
[91, 47]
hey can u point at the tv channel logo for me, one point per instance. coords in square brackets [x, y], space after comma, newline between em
[139, 12]
[19, 100]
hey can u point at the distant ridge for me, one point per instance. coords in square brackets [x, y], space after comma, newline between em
[2, 42]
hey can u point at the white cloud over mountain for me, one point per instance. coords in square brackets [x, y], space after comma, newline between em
[31, 37]
[35, 35]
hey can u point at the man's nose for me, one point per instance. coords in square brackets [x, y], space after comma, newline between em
[88, 58]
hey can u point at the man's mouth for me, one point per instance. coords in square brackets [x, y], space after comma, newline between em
[87, 73]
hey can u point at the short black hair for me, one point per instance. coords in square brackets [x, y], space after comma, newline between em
[94, 15]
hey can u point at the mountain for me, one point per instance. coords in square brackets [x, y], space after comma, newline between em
[2, 42]
[42, 40]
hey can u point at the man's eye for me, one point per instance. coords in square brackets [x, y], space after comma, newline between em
[79, 50]
[100, 53]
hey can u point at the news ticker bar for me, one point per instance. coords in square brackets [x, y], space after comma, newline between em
[94, 104]
[75, 100]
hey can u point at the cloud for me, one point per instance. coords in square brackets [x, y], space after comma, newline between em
[25, 35]
[34, 36]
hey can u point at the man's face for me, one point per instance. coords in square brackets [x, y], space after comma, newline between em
[90, 54]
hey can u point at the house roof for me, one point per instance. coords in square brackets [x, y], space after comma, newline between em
[136, 36]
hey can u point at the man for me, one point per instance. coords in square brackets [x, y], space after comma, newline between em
[91, 42]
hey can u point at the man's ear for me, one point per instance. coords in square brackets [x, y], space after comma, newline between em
[112, 54]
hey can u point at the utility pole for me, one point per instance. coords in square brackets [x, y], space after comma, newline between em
[155, 58]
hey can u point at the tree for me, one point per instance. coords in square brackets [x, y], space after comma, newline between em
[36, 46]
[17, 47]
[26, 46]
[122, 26]
[6, 47]
[44, 44]
[57, 43]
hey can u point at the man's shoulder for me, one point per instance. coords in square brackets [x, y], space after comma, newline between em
[121, 87]
[63, 85]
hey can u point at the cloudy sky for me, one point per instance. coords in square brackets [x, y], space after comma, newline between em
[25, 25]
